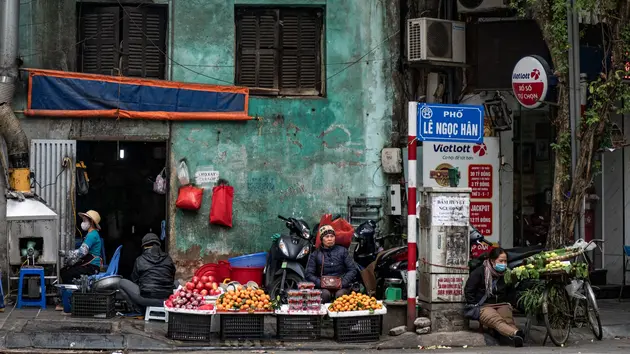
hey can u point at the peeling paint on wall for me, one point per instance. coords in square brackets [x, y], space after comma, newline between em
[306, 156]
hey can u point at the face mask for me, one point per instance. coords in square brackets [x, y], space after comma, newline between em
[500, 267]
[85, 225]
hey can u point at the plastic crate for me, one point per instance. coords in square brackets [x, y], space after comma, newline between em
[291, 327]
[185, 326]
[242, 326]
[99, 304]
[357, 329]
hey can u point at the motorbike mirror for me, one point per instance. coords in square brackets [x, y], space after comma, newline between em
[282, 218]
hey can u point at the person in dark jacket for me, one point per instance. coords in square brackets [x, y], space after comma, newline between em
[152, 278]
[486, 288]
[335, 261]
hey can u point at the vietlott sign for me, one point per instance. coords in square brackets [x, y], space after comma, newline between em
[478, 165]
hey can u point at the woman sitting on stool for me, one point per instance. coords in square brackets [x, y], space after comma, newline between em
[486, 288]
[85, 260]
[331, 260]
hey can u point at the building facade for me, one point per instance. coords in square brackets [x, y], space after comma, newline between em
[322, 89]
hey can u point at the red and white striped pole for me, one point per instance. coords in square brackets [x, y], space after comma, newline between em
[411, 214]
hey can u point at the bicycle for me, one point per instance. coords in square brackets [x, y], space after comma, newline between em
[569, 308]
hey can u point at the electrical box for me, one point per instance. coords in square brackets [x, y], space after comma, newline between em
[391, 160]
[394, 203]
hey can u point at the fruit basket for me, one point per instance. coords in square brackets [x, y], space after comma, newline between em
[299, 325]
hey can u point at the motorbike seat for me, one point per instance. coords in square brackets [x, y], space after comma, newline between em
[523, 252]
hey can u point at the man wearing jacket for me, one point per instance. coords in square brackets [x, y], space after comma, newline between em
[152, 277]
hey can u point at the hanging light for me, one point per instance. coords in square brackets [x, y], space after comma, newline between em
[121, 151]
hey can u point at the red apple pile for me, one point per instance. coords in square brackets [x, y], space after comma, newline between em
[191, 296]
[204, 286]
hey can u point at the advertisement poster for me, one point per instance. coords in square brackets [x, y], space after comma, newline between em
[478, 166]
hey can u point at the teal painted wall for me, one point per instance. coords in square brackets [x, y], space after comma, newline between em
[307, 155]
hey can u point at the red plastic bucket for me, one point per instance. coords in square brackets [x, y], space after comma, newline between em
[244, 275]
[224, 270]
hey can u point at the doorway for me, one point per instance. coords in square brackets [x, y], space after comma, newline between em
[121, 176]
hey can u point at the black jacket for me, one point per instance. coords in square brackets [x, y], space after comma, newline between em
[337, 262]
[476, 288]
[154, 272]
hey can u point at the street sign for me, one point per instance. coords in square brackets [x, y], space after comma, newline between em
[455, 123]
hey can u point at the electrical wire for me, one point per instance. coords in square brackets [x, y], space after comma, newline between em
[166, 55]
[84, 39]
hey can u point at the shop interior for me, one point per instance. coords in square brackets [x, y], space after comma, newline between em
[533, 176]
[121, 176]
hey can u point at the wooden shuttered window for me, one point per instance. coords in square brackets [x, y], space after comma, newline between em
[99, 37]
[279, 51]
[144, 41]
[132, 40]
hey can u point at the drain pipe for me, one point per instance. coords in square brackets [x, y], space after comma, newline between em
[10, 128]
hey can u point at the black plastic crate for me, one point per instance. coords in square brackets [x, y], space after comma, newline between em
[298, 327]
[100, 304]
[358, 329]
[242, 326]
[186, 326]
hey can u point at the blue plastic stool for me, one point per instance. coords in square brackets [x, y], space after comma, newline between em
[32, 271]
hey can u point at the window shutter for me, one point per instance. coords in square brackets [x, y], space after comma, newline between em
[257, 33]
[144, 31]
[99, 36]
[300, 66]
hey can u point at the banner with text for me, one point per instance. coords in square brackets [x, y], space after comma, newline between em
[478, 165]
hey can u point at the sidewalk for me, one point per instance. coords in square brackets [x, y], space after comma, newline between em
[49, 329]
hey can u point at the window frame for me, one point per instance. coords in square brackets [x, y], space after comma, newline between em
[320, 69]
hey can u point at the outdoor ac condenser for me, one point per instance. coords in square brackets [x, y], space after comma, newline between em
[468, 6]
[431, 39]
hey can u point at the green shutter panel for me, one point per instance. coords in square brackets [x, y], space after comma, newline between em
[99, 36]
[257, 33]
[144, 41]
[300, 65]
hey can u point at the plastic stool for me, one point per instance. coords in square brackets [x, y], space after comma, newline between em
[156, 313]
[42, 300]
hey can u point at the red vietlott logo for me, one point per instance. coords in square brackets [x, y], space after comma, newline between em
[535, 74]
[480, 149]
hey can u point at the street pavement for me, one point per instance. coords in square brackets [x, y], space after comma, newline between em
[604, 347]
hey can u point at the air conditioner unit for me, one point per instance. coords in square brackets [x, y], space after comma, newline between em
[466, 6]
[432, 39]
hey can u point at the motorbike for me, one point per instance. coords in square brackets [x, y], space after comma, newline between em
[391, 264]
[515, 256]
[287, 258]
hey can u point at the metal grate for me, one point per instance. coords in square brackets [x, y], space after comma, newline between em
[53, 181]
[362, 209]
[414, 40]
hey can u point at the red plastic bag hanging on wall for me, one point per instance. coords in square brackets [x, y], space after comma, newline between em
[189, 198]
[221, 208]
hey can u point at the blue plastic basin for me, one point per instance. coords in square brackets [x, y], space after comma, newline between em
[255, 260]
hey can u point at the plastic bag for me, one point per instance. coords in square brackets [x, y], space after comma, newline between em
[575, 289]
[221, 208]
[159, 185]
[182, 173]
[343, 230]
[189, 198]
[83, 181]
